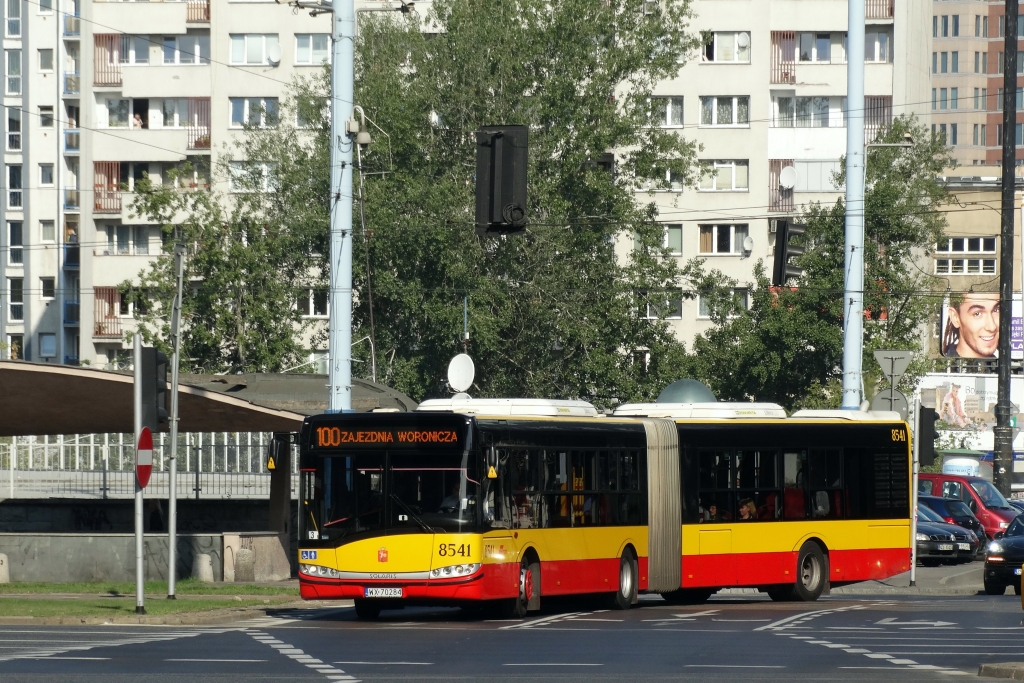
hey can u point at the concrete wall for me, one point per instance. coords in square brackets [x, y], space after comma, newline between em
[103, 557]
[118, 516]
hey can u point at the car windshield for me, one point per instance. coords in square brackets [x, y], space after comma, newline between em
[927, 514]
[1016, 528]
[989, 495]
[958, 509]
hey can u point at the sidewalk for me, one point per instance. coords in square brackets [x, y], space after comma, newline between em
[958, 579]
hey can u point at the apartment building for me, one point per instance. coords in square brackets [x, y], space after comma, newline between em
[96, 95]
[967, 80]
[767, 100]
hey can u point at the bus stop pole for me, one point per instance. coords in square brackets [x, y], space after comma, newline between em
[913, 493]
[139, 566]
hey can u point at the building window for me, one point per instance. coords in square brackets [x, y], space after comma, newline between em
[48, 287]
[14, 186]
[46, 175]
[252, 176]
[46, 59]
[954, 97]
[251, 48]
[935, 26]
[666, 305]
[15, 243]
[13, 72]
[728, 47]
[952, 134]
[943, 98]
[725, 111]
[956, 25]
[935, 63]
[954, 62]
[814, 47]
[47, 231]
[16, 286]
[877, 46]
[117, 113]
[118, 237]
[260, 112]
[984, 62]
[667, 112]
[13, 18]
[45, 6]
[945, 26]
[722, 239]
[192, 48]
[934, 99]
[173, 113]
[674, 239]
[47, 345]
[313, 303]
[725, 176]
[312, 48]
[15, 344]
[944, 61]
[13, 129]
[741, 301]
[951, 255]
[46, 117]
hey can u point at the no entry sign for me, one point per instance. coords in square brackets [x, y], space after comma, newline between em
[144, 457]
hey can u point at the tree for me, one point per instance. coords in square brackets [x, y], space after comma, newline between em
[557, 312]
[787, 347]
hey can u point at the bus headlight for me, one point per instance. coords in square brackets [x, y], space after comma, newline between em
[317, 570]
[455, 571]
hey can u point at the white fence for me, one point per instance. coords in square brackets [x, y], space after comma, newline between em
[210, 465]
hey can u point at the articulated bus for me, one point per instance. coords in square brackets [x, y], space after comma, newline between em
[502, 502]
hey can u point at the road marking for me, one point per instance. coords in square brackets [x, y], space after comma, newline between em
[891, 621]
[300, 657]
[554, 664]
[44, 653]
[733, 666]
[214, 660]
[390, 663]
[741, 620]
[542, 621]
[592, 619]
[77, 659]
[902, 661]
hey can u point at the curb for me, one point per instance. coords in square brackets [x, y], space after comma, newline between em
[216, 616]
[1012, 670]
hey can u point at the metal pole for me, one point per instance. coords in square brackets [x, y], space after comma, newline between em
[342, 101]
[853, 297]
[913, 492]
[1003, 433]
[172, 493]
[140, 587]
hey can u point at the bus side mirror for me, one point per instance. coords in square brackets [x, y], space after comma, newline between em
[492, 463]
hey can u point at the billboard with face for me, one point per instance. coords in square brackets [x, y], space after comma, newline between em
[970, 326]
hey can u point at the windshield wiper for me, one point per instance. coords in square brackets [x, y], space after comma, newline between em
[423, 525]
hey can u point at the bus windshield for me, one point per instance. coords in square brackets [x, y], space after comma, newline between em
[369, 494]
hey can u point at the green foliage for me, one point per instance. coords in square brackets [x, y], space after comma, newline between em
[787, 347]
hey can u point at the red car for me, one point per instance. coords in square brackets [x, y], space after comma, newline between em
[984, 500]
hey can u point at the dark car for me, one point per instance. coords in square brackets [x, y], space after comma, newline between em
[1005, 558]
[1016, 504]
[935, 544]
[952, 512]
[968, 544]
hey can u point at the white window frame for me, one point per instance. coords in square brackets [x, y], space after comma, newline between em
[725, 166]
[128, 112]
[669, 229]
[15, 248]
[12, 303]
[247, 103]
[737, 291]
[42, 289]
[736, 238]
[719, 37]
[45, 6]
[42, 230]
[713, 99]
[243, 39]
[43, 350]
[815, 57]
[663, 109]
[12, 25]
[15, 195]
[13, 63]
[39, 60]
[310, 312]
[673, 298]
[311, 37]
[965, 266]
[267, 170]
[877, 42]
[180, 117]
[198, 58]
[15, 138]
[42, 175]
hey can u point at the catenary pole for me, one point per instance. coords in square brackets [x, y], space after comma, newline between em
[140, 597]
[172, 494]
[1003, 433]
[342, 101]
[853, 297]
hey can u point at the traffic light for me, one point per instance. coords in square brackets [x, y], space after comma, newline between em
[501, 156]
[784, 250]
[154, 389]
[926, 435]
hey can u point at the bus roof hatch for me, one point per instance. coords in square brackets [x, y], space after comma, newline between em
[702, 411]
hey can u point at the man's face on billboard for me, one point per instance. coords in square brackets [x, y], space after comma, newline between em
[977, 318]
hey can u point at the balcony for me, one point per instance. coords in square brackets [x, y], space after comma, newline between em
[106, 65]
[71, 360]
[72, 26]
[878, 9]
[71, 200]
[783, 57]
[780, 199]
[199, 123]
[72, 256]
[72, 83]
[108, 199]
[107, 313]
[71, 313]
[72, 141]
[198, 11]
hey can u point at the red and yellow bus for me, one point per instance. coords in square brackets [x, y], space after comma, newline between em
[503, 502]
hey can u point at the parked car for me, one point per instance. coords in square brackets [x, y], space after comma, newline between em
[1005, 559]
[1016, 503]
[952, 512]
[935, 544]
[990, 507]
[968, 544]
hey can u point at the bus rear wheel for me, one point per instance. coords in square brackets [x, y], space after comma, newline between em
[367, 609]
[625, 596]
[810, 573]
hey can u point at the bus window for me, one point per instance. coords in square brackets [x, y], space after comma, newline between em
[876, 483]
[353, 503]
[824, 483]
[793, 479]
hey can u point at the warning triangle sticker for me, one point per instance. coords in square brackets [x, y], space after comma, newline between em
[491, 474]
[271, 465]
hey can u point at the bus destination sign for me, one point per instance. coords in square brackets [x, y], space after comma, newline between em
[333, 437]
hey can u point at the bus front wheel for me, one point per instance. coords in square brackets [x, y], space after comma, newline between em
[367, 609]
[625, 596]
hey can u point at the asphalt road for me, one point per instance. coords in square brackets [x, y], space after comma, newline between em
[732, 637]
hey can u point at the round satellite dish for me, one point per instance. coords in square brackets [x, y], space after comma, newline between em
[787, 178]
[274, 54]
[461, 372]
[686, 391]
[743, 40]
[748, 243]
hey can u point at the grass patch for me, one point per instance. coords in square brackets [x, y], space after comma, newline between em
[119, 607]
[114, 588]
